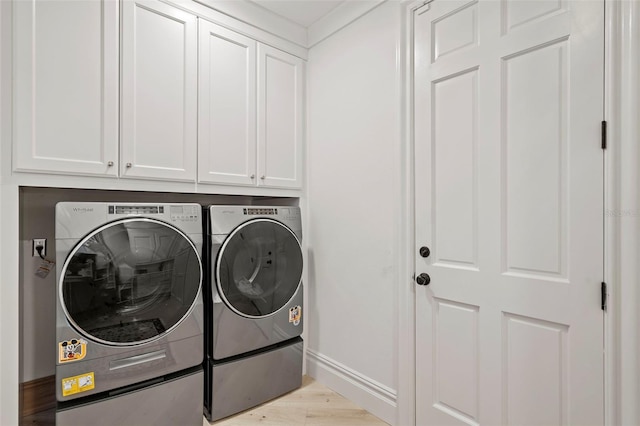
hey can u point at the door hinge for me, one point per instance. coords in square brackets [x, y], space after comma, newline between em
[604, 135]
[603, 290]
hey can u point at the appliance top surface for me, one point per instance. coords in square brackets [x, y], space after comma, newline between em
[75, 219]
[226, 218]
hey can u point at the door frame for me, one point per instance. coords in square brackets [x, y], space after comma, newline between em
[622, 217]
[622, 214]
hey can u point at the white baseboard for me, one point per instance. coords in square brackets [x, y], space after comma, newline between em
[374, 397]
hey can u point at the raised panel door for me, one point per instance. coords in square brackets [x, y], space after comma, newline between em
[159, 91]
[509, 199]
[65, 87]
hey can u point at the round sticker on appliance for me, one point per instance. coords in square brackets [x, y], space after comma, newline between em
[295, 314]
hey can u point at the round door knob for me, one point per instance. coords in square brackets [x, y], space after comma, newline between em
[129, 165]
[423, 279]
[262, 177]
[424, 251]
[252, 176]
[110, 164]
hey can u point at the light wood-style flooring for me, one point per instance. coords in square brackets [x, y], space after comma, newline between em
[311, 405]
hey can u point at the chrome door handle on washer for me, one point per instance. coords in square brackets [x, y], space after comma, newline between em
[136, 360]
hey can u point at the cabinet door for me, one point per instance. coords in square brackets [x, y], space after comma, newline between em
[226, 106]
[280, 118]
[159, 91]
[65, 100]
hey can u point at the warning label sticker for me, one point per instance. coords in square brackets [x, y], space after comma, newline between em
[77, 384]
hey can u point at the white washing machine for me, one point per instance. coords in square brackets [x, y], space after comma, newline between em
[129, 312]
[253, 306]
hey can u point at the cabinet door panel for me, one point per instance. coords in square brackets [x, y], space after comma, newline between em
[159, 92]
[226, 106]
[280, 115]
[66, 87]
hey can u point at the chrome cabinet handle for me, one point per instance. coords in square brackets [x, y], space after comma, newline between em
[262, 177]
[128, 165]
[110, 164]
[252, 176]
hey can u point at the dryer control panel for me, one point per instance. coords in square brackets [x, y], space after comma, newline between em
[223, 219]
[260, 211]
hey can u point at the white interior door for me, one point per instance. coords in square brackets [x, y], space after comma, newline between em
[509, 200]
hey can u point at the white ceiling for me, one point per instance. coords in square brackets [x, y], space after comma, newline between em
[302, 12]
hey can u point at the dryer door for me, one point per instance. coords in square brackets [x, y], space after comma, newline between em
[130, 281]
[259, 268]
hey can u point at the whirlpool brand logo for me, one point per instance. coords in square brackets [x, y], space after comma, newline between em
[83, 209]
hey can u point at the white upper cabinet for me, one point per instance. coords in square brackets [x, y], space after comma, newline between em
[159, 92]
[226, 106]
[65, 99]
[280, 118]
[248, 136]
[142, 89]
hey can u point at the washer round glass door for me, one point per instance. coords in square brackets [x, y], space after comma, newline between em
[259, 268]
[130, 281]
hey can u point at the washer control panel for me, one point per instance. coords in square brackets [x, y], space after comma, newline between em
[135, 209]
[182, 213]
[187, 213]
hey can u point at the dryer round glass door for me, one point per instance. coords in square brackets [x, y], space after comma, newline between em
[259, 268]
[130, 281]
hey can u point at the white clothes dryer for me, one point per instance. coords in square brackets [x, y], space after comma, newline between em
[129, 313]
[253, 306]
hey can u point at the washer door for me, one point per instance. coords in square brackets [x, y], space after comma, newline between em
[130, 281]
[259, 268]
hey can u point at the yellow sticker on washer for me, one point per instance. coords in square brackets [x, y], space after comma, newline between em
[72, 350]
[295, 314]
[77, 384]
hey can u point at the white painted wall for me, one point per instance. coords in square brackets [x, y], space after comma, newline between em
[354, 209]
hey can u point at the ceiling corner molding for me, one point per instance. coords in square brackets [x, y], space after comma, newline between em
[338, 18]
[252, 14]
